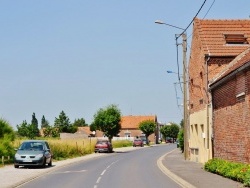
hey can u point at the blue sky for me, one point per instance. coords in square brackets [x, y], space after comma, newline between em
[79, 56]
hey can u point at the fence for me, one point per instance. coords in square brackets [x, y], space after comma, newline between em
[5, 159]
[117, 138]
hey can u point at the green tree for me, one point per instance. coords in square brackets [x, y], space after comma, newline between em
[27, 130]
[7, 135]
[63, 124]
[182, 124]
[181, 136]
[147, 127]
[165, 130]
[44, 122]
[181, 140]
[170, 131]
[108, 120]
[22, 129]
[50, 131]
[32, 131]
[92, 127]
[174, 130]
[33, 128]
[80, 123]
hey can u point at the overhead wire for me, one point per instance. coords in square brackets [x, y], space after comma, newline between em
[192, 19]
[176, 38]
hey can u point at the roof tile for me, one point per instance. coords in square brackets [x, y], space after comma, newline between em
[212, 32]
[132, 122]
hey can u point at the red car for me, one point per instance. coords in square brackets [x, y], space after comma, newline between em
[103, 146]
[138, 142]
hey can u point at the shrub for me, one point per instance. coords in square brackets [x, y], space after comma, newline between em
[236, 171]
[181, 140]
[121, 143]
[6, 137]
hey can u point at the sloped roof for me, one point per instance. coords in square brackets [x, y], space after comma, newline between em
[212, 35]
[132, 122]
[241, 60]
[85, 130]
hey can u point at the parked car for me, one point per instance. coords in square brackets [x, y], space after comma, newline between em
[169, 140]
[138, 142]
[103, 146]
[33, 153]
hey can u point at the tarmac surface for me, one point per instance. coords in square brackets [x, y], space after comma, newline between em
[186, 173]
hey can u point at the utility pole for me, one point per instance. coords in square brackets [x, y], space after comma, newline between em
[185, 107]
[185, 83]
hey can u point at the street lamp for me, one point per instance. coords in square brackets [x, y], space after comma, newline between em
[172, 72]
[185, 111]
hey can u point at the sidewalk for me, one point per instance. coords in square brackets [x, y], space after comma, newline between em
[191, 174]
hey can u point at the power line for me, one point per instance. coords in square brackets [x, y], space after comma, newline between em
[176, 38]
[192, 19]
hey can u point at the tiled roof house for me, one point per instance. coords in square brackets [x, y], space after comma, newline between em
[130, 126]
[231, 110]
[215, 43]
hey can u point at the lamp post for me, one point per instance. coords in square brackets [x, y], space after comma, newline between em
[185, 109]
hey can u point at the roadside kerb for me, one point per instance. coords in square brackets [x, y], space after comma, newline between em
[171, 175]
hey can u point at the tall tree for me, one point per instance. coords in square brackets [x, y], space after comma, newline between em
[108, 120]
[79, 123]
[147, 127]
[44, 122]
[63, 124]
[34, 130]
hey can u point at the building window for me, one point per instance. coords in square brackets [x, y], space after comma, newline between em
[201, 101]
[192, 81]
[235, 39]
[192, 106]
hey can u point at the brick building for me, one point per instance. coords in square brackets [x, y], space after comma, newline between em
[215, 43]
[231, 110]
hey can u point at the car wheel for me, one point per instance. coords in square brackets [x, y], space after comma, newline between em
[16, 166]
[50, 163]
[44, 163]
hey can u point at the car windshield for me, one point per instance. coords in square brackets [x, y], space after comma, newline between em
[102, 142]
[32, 146]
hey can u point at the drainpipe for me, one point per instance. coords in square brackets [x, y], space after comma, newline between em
[207, 103]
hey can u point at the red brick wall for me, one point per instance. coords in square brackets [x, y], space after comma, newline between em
[231, 126]
[200, 73]
[198, 76]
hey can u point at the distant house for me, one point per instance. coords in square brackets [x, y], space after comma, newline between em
[82, 132]
[215, 43]
[130, 127]
[231, 110]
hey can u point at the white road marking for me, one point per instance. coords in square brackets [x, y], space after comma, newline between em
[98, 180]
[65, 172]
[103, 172]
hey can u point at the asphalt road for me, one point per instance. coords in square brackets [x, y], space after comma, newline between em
[136, 168]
